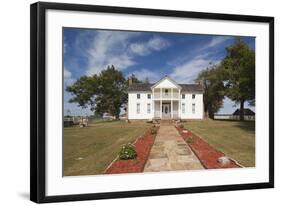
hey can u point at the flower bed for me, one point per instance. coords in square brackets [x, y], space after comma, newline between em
[205, 152]
[142, 146]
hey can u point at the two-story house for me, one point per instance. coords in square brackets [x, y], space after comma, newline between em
[165, 99]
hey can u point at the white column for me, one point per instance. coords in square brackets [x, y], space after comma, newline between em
[172, 103]
[161, 103]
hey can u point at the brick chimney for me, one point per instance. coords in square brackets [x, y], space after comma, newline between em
[130, 80]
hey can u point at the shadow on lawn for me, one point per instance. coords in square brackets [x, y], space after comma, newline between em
[245, 125]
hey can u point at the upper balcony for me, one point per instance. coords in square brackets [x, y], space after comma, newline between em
[166, 94]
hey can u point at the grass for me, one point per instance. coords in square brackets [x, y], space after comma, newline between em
[89, 150]
[236, 139]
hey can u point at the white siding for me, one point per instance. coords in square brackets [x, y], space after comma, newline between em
[143, 101]
[155, 100]
[188, 101]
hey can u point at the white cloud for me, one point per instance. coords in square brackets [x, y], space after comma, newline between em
[188, 71]
[216, 41]
[145, 48]
[139, 49]
[67, 74]
[114, 48]
[65, 47]
[158, 43]
[68, 79]
[109, 48]
[142, 74]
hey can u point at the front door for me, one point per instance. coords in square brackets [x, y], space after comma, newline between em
[166, 111]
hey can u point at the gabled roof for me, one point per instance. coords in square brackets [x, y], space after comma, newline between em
[147, 87]
[247, 111]
[165, 78]
[140, 87]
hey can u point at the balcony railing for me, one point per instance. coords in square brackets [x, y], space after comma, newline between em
[157, 95]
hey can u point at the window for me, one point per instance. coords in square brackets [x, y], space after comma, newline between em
[138, 108]
[193, 96]
[183, 96]
[193, 108]
[148, 96]
[183, 107]
[166, 91]
[138, 96]
[148, 108]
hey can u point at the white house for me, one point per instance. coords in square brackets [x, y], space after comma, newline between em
[165, 99]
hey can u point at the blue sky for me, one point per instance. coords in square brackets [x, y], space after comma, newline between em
[145, 54]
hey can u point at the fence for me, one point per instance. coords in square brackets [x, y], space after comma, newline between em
[233, 117]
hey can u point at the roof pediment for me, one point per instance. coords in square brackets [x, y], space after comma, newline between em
[166, 82]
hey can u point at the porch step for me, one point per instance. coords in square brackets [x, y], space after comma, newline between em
[165, 121]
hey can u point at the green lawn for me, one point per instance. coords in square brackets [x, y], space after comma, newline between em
[89, 150]
[236, 139]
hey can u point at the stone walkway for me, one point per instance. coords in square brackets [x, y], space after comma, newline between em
[170, 152]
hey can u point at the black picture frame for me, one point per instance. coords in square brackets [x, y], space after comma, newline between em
[38, 100]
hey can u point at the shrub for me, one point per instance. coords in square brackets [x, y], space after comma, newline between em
[189, 140]
[181, 126]
[153, 130]
[127, 152]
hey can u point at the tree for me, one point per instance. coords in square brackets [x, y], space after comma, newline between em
[83, 91]
[112, 92]
[212, 83]
[239, 73]
[104, 93]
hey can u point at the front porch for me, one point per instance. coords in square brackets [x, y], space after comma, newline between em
[166, 109]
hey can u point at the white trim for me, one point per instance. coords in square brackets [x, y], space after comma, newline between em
[166, 78]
